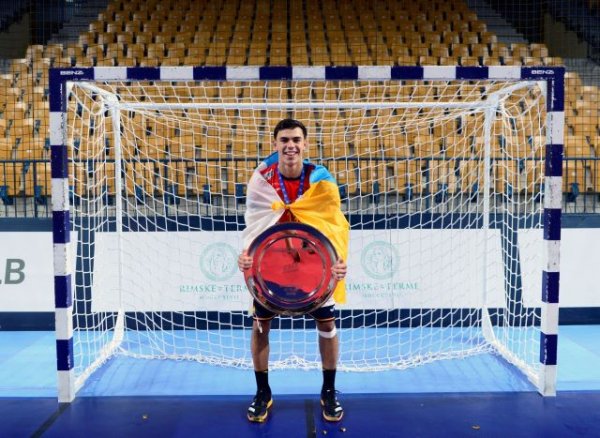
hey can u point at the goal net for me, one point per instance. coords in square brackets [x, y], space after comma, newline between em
[441, 180]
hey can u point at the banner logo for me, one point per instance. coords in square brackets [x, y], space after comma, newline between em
[218, 261]
[379, 260]
[14, 272]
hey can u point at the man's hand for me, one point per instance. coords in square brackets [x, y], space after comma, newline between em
[339, 269]
[244, 261]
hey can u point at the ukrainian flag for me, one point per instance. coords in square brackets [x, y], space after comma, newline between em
[319, 207]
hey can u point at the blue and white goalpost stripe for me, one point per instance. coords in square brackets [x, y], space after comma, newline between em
[63, 258]
[552, 225]
[61, 237]
[251, 73]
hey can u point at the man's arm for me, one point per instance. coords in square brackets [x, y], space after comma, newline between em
[244, 261]
[339, 269]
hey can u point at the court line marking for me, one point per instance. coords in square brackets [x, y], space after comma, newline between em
[62, 407]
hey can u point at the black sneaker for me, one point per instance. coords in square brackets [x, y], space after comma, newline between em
[258, 411]
[332, 409]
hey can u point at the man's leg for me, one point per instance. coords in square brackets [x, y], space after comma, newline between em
[259, 345]
[328, 344]
[329, 349]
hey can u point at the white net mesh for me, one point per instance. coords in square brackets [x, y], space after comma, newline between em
[441, 182]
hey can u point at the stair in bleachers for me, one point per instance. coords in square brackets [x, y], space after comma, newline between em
[10, 13]
[79, 22]
[495, 23]
[588, 71]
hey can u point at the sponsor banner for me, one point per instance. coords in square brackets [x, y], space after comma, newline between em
[387, 269]
[187, 271]
[197, 271]
[27, 272]
[579, 255]
[423, 269]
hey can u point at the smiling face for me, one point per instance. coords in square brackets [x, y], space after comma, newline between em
[290, 144]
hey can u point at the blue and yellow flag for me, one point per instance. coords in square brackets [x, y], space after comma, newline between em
[319, 207]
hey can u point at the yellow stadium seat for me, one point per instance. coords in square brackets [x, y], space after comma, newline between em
[451, 37]
[177, 49]
[478, 26]
[470, 176]
[152, 26]
[349, 171]
[509, 177]
[419, 50]
[438, 50]
[595, 175]
[534, 170]
[35, 51]
[74, 51]
[53, 51]
[510, 60]
[22, 127]
[366, 175]
[441, 25]
[574, 173]
[16, 110]
[25, 150]
[427, 60]
[126, 62]
[576, 146]
[196, 178]
[11, 178]
[150, 62]
[472, 61]
[107, 173]
[202, 37]
[77, 178]
[470, 38]
[154, 147]
[456, 146]
[538, 50]
[87, 38]
[139, 176]
[491, 60]
[115, 50]
[395, 145]
[155, 50]
[409, 177]
[442, 176]
[214, 174]
[479, 50]
[367, 144]
[105, 38]
[95, 52]
[197, 51]
[171, 176]
[460, 26]
[532, 61]
[125, 38]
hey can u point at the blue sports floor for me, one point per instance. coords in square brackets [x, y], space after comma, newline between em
[479, 396]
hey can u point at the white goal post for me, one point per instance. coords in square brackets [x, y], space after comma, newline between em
[451, 178]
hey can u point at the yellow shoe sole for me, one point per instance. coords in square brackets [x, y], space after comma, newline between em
[262, 418]
[332, 419]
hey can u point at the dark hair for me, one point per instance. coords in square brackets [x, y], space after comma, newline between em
[289, 124]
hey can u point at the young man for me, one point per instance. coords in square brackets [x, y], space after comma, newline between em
[290, 176]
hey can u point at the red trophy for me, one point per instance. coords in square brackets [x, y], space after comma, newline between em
[291, 269]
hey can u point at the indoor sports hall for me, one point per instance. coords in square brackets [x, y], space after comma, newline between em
[410, 190]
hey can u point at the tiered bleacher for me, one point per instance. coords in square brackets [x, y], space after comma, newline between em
[261, 32]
